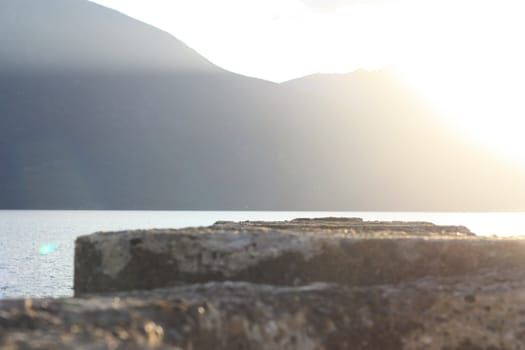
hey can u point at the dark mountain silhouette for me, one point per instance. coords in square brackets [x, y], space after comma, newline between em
[100, 111]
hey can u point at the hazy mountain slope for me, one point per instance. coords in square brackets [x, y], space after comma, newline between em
[100, 111]
[79, 35]
[412, 160]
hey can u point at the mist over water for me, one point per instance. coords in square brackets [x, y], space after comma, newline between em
[37, 247]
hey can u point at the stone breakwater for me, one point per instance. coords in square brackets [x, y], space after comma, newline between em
[327, 283]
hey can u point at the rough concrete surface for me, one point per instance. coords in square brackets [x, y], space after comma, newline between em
[333, 250]
[485, 311]
[306, 284]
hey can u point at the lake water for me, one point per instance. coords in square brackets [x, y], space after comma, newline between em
[28, 271]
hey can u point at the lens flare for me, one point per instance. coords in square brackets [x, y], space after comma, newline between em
[48, 248]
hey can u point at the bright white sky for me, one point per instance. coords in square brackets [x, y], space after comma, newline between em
[466, 56]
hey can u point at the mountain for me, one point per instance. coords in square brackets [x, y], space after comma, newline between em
[79, 35]
[100, 111]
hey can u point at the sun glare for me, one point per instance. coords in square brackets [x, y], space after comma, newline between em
[482, 105]
[469, 65]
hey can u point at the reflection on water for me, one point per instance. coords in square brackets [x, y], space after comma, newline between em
[27, 272]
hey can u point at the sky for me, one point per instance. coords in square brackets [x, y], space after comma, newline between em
[466, 57]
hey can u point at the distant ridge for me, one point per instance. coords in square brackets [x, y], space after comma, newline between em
[100, 111]
[77, 34]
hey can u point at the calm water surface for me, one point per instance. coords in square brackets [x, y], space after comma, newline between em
[25, 272]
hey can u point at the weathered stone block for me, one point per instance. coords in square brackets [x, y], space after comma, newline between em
[299, 252]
